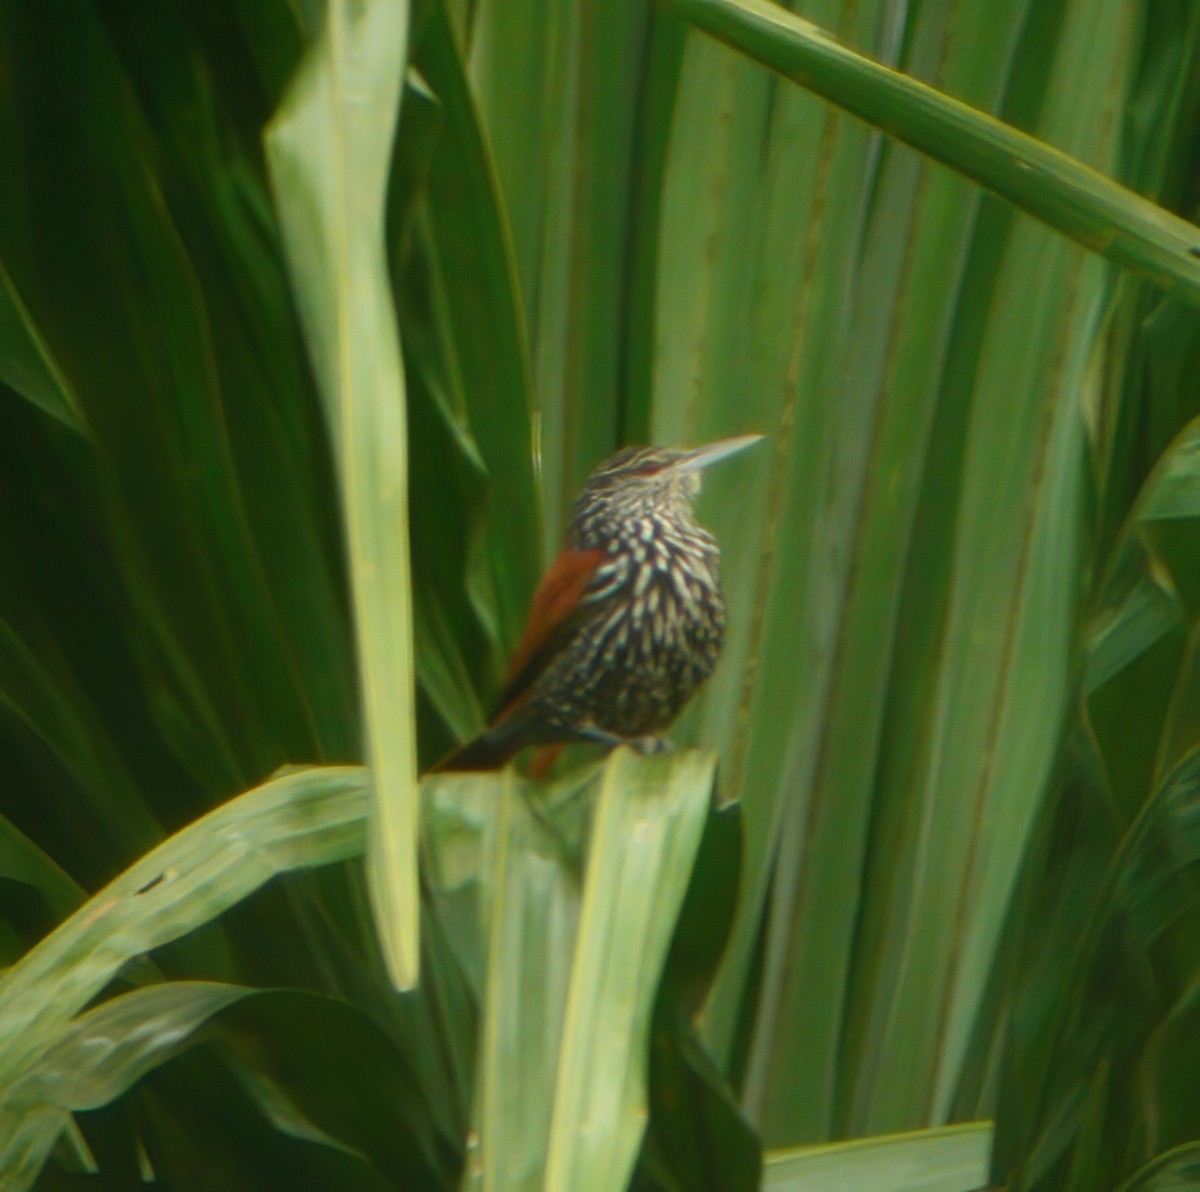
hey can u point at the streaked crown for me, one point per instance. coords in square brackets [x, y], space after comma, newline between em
[638, 482]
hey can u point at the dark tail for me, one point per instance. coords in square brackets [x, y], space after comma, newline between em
[488, 751]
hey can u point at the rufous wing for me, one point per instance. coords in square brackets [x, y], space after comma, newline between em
[553, 618]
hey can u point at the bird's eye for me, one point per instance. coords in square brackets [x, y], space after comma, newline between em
[648, 467]
[631, 463]
[652, 462]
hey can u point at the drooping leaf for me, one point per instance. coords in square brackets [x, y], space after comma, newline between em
[96, 1059]
[330, 149]
[309, 817]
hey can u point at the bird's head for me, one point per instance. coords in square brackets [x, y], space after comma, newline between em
[642, 478]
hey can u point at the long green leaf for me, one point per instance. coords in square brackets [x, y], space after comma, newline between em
[1106, 980]
[26, 363]
[963, 777]
[330, 148]
[647, 826]
[107, 1049]
[558, 89]
[477, 291]
[1078, 201]
[950, 1159]
[756, 258]
[520, 935]
[844, 546]
[37, 686]
[22, 861]
[309, 817]
[1176, 1171]
[568, 967]
[156, 519]
[1126, 1004]
[99, 1056]
[1139, 600]
[329, 1072]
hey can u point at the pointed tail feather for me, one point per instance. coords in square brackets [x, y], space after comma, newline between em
[499, 744]
[491, 750]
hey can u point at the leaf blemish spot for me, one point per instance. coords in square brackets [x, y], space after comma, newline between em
[157, 881]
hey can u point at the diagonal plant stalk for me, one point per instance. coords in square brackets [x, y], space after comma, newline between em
[1052, 186]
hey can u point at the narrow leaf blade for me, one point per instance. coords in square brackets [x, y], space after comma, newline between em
[329, 149]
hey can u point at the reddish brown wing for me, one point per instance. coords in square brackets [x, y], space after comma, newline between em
[552, 620]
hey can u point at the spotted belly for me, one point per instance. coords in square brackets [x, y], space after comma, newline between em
[650, 642]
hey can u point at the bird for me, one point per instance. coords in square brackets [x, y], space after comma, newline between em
[626, 624]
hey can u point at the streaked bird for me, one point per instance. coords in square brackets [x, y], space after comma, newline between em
[627, 623]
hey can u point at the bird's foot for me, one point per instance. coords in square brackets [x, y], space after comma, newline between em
[648, 746]
[589, 734]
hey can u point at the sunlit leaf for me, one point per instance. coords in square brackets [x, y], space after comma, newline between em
[330, 148]
[643, 838]
[568, 945]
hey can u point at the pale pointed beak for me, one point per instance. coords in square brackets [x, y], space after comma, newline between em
[701, 457]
